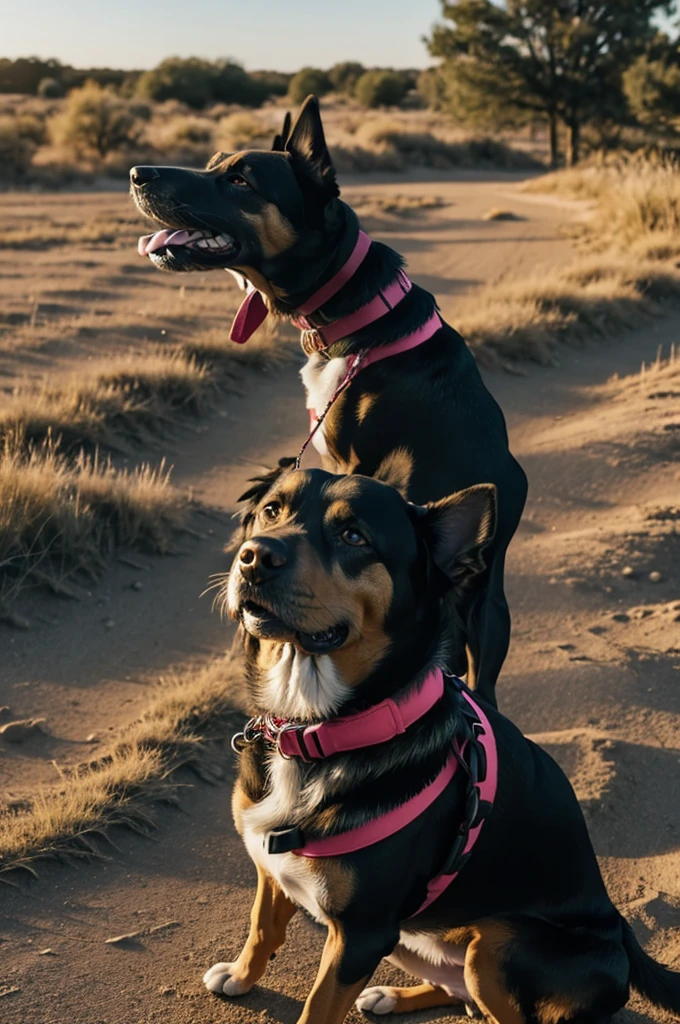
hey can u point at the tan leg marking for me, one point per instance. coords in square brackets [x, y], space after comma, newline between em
[329, 1002]
[272, 910]
[484, 977]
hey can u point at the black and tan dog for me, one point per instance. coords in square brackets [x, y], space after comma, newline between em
[422, 419]
[339, 588]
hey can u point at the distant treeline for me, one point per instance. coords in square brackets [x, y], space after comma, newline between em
[199, 82]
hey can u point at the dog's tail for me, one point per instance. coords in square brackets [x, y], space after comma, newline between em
[652, 980]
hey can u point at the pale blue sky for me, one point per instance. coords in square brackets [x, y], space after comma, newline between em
[280, 34]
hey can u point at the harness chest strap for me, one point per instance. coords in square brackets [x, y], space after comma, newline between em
[480, 799]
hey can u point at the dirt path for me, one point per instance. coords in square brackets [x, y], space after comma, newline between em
[593, 671]
[596, 682]
[86, 666]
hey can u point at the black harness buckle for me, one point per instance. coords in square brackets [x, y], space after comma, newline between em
[284, 840]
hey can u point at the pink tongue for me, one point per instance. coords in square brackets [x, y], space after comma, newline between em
[168, 236]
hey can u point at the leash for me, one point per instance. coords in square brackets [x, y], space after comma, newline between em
[350, 374]
[366, 358]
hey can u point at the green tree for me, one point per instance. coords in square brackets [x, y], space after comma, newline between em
[232, 84]
[275, 83]
[652, 87]
[381, 88]
[561, 59]
[344, 76]
[308, 80]
[189, 80]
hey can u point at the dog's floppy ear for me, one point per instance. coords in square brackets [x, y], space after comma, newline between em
[279, 143]
[458, 528]
[306, 144]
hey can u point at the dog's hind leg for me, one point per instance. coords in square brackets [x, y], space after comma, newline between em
[489, 634]
[272, 910]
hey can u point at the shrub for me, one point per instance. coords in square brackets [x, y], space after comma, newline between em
[33, 128]
[432, 88]
[380, 89]
[192, 131]
[275, 83]
[344, 76]
[50, 89]
[189, 80]
[238, 131]
[95, 121]
[16, 149]
[309, 80]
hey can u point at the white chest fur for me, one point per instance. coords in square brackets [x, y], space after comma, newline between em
[321, 377]
[294, 874]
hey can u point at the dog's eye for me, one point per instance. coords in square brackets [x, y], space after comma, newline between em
[237, 179]
[353, 537]
[271, 511]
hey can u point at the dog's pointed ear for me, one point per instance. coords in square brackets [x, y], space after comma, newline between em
[279, 143]
[306, 144]
[457, 529]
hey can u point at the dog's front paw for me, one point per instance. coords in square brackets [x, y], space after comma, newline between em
[379, 999]
[220, 981]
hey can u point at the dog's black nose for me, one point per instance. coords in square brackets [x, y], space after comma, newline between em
[142, 175]
[262, 558]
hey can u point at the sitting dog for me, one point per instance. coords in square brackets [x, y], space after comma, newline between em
[369, 780]
[393, 391]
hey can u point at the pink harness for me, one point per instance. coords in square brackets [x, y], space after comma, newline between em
[379, 724]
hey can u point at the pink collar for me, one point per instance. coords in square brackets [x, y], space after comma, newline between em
[377, 724]
[253, 310]
[479, 758]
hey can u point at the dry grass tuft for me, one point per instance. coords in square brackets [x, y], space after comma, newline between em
[636, 201]
[528, 319]
[184, 726]
[110, 403]
[274, 343]
[60, 519]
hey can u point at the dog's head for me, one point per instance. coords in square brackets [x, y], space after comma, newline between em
[342, 568]
[246, 211]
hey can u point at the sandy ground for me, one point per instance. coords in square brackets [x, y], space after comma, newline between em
[593, 669]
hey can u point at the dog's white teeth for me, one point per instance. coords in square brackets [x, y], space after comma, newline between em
[221, 241]
[203, 243]
[213, 243]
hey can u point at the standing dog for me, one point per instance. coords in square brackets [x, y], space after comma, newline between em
[368, 780]
[402, 396]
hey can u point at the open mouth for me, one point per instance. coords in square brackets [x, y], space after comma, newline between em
[261, 622]
[207, 243]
